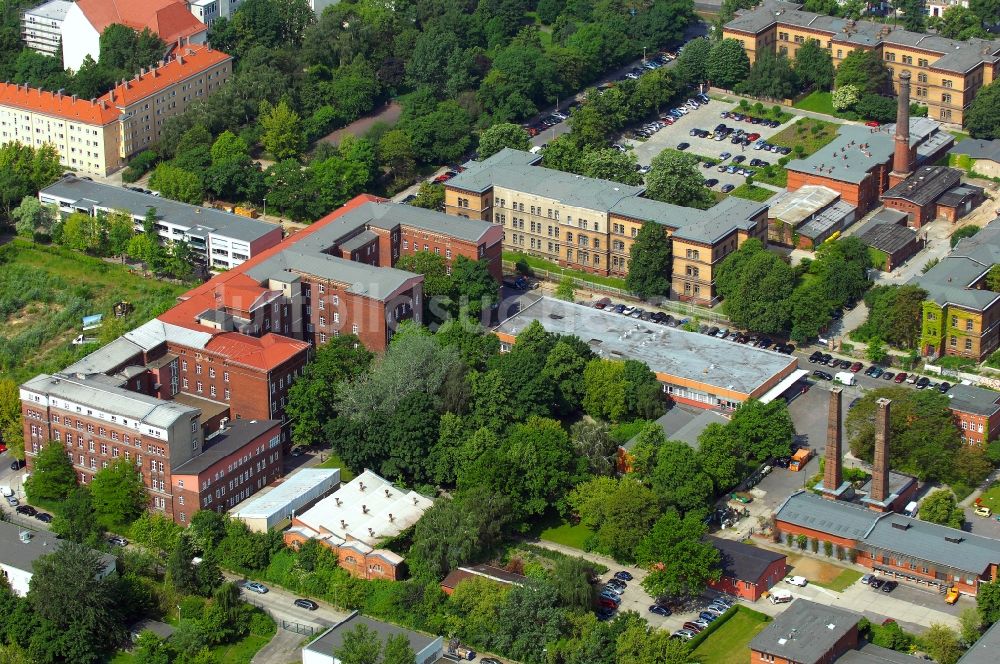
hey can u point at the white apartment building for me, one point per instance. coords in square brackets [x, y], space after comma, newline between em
[41, 27]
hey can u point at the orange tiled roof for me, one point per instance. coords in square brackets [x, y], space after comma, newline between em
[87, 111]
[269, 350]
[189, 61]
[170, 19]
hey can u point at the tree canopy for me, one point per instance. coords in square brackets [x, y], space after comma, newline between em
[649, 262]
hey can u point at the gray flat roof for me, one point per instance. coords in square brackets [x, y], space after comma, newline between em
[795, 207]
[984, 651]
[832, 218]
[358, 241]
[103, 393]
[870, 653]
[973, 399]
[715, 362]
[333, 638]
[833, 517]
[21, 555]
[690, 431]
[54, 10]
[805, 632]
[90, 194]
[978, 148]
[672, 420]
[237, 434]
[849, 157]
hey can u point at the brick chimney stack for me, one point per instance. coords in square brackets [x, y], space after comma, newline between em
[833, 475]
[880, 464]
[901, 158]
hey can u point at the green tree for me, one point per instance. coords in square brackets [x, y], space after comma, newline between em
[24, 171]
[76, 520]
[876, 352]
[81, 232]
[150, 649]
[963, 232]
[988, 11]
[565, 289]
[282, 133]
[474, 284]
[177, 184]
[727, 64]
[441, 135]
[814, 65]
[395, 150]
[941, 507]
[681, 562]
[719, 455]
[674, 178]
[914, 14]
[121, 230]
[32, 218]
[118, 492]
[864, 69]
[180, 569]
[610, 164]
[958, 22]
[756, 285]
[845, 97]
[771, 77]
[429, 196]
[993, 278]
[52, 477]
[66, 593]
[500, 136]
[692, 65]
[649, 262]
[677, 478]
[970, 626]
[125, 50]
[988, 601]
[593, 440]
[229, 146]
[397, 650]
[765, 430]
[942, 643]
[360, 645]
[11, 427]
[619, 511]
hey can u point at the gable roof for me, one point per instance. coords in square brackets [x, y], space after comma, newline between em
[951, 280]
[978, 148]
[926, 185]
[742, 561]
[187, 62]
[170, 19]
[973, 399]
[89, 111]
[806, 632]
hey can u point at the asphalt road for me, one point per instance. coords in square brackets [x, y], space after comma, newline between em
[279, 603]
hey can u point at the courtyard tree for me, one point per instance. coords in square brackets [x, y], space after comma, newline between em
[941, 507]
[814, 65]
[863, 69]
[681, 562]
[649, 262]
[728, 64]
[502, 135]
[52, 477]
[674, 178]
[118, 492]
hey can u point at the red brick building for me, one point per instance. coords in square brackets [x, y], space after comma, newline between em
[495, 574]
[893, 545]
[977, 413]
[238, 459]
[747, 571]
[918, 195]
[806, 633]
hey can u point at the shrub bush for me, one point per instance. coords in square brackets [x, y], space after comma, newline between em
[828, 548]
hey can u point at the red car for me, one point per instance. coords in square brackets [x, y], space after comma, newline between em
[753, 137]
[444, 177]
[856, 367]
[606, 603]
[872, 123]
[900, 377]
[690, 626]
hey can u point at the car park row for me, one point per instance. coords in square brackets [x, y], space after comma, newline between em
[874, 371]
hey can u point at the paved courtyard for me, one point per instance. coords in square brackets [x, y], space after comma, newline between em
[706, 117]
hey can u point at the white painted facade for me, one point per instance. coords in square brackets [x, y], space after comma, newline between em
[79, 39]
[41, 26]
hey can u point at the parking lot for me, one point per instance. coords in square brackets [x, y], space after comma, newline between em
[706, 117]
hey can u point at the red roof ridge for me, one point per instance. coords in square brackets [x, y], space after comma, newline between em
[57, 104]
[189, 61]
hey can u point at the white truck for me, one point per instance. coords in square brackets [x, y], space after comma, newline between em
[780, 596]
[845, 377]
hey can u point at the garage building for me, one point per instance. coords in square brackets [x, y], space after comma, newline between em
[296, 494]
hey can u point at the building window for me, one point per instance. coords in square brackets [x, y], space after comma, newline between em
[968, 344]
[946, 98]
[968, 325]
[946, 83]
[354, 328]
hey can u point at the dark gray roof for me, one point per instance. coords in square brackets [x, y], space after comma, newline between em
[956, 56]
[831, 219]
[744, 562]
[849, 157]
[333, 638]
[972, 399]
[889, 238]
[238, 434]
[672, 420]
[689, 432]
[909, 538]
[951, 280]
[805, 632]
[926, 185]
[898, 483]
[21, 555]
[978, 148]
[870, 653]
[95, 194]
[958, 195]
[358, 241]
[984, 651]
[161, 629]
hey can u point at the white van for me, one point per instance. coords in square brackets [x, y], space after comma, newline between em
[911, 509]
[780, 596]
[845, 377]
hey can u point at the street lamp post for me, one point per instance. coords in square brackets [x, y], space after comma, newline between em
[643, 55]
[178, 613]
[265, 206]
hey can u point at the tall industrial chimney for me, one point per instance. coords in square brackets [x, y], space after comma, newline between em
[901, 158]
[833, 476]
[880, 464]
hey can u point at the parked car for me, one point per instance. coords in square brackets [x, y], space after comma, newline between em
[922, 382]
[255, 587]
[900, 377]
[683, 146]
[17, 464]
[684, 634]
[26, 510]
[726, 188]
[44, 517]
[603, 614]
[856, 367]
[606, 603]
[711, 182]
[797, 581]
[306, 604]
[822, 375]
[659, 610]
[692, 627]
[889, 586]
[944, 386]
[708, 617]
[617, 592]
[876, 583]
[984, 511]
[866, 579]
[117, 540]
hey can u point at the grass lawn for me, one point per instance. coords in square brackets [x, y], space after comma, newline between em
[334, 461]
[805, 133]
[752, 192]
[818, 102]
[767, 112]
[844, 580]
[991, 497]
[44, 293]
[959, 135]
[240, 652]
[779, 179]
[729, 644]
[561, 531]
[540, 264]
